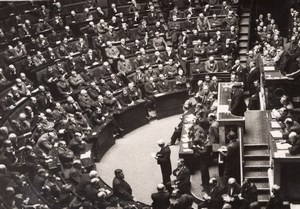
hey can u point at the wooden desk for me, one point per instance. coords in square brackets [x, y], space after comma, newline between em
[285, 166]
[185, 150]
[170, 103]
[133, 117]
[224, 117]
[274, 79]
[102, 138]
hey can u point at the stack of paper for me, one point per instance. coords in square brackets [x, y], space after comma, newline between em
[284, 146]
[275, 124]
[276, 134]
[187, 150]
[85, 155]
[275, 113]
[269, 68]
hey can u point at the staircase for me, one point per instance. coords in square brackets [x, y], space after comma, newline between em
[256, 156]
[244, 27]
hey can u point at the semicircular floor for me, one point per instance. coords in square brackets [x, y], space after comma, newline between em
[132, 153]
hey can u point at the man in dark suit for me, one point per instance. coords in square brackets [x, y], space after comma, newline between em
[163, 158]
[232, 162]
[295, 142]
[121, 188]
[233, 190]
[282, 59]
[161, 199]
[237, 106]
[248, 194]
[182, 174]
[213, 197]
[203, 153]
[163, 84]
[275, 201]
[254, 75]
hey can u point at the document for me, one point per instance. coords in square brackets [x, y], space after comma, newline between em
[280, 154]
[283, 146]
[85, 155]
[276, 134]
[187, 150]
[275, 124]
[275, 113]
[269, 68]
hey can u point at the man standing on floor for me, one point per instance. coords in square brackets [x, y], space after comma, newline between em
[163, 158]
[121, 188]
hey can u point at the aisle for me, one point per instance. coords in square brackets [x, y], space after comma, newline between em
[132, 153]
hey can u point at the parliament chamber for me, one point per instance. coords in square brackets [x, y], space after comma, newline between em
[78, 75]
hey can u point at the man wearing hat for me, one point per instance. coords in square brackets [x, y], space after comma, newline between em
[213, 197]
[163, 159]
[161, 199]
[237, 106]
[121, 188]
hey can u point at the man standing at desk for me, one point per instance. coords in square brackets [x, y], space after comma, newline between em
[237, 106]
[163, 158]
[232, 162]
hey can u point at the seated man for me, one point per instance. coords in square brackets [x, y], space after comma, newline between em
[124, 65]
[295, 142]
[212, 48]
[65, 154]
[86, 102]
[171, 68]
[163, 84]
[134, 92]
[115, 83]
[290, 125]
[197, 67]
[150, 89]
[64, 87]
[76, 80]
[112, 104]
[125, 99]
[225, 65]
[211, 65]
[180, 80]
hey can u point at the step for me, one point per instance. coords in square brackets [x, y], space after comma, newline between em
[244, 30]
[259, 156]
[263, 198]
[245, 22]
[256, 173]
[243, 44]
[257, 163]
[246, 14]
[256, 151]
[243, 38]
[264, 185]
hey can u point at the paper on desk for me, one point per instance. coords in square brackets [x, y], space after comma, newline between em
[187, 150]
[284, 146]
[269, 68]
[275, 124]
[275, 113]
[280, 154]
[185, 145]
[85, 155]
[276, 134]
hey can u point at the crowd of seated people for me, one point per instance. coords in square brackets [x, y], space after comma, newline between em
[76, 68]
